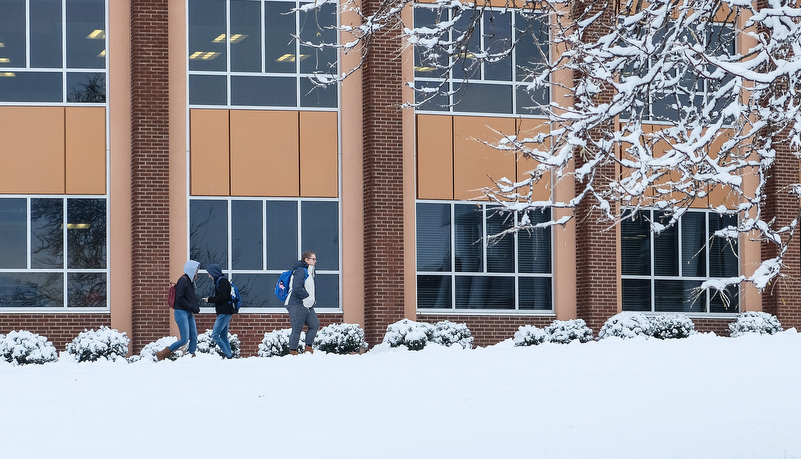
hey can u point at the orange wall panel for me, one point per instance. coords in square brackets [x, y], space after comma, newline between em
[33, 150]
[319, 149]
[86, 150]
[209, 152]
[476, 165]
[529, 128]
[265, 153]
[434, 157]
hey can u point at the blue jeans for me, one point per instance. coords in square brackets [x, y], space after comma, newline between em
[187, 329]
[220, 334]
[299, 316]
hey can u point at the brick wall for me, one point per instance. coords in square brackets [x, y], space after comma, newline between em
[489, 330]
[59, 329]
[150, 167]
[383, 182]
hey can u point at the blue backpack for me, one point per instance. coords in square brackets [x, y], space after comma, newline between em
[282, 287]
[236, 299]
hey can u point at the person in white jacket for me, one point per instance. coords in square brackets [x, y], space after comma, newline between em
[301, 301]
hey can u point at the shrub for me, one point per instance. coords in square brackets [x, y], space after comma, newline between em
[565, 331]
[101, 344]
[276, 343]
[206, 345]
[414, 335]
[755, 322]
[449, 333]
[340, 339]
[530, 336]
[148, 353]
[626, 325]
[23, 347]
[672, 326]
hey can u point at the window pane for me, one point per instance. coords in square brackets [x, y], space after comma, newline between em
[13, 230]
[433, 237]
[207, 35]
[534, 293]
[12, 26]
[320, 234]
[485, 292]
[257, 290]
[264, 91]
[47, 233]
[466, 66]
[423, 66]
[31, 87]
[208, 232]
[247, 235]
[207, 90]
[326, 291]
[469, 234]
[86, 233]
[87, 290]
[45, 34]
[41, 290]
[500, 252]
[86, 34]
[693, 243]
[433, 292]
[531, 101]
[318, 26]
[245, 36]
[497, 38]
[717, 303]
[534, 247]
[86, 87]
[439, 102]
[316, 96]
[723, 252]
[666, 251]
[483, 98]
[278, 30]
[531, 50]
[282, 235]
[678, 296]
[635, 245]
[636, 295]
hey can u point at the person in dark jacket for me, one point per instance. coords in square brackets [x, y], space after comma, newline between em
[186, 306]
[301, 301]
[223, 308]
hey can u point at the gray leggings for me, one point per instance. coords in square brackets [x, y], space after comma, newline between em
[298, 317]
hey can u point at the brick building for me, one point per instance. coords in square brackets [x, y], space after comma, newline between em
[158, 131]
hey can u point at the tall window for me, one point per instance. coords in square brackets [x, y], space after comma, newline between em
[497, 87]
[254, 240]
[459, 268]
[242, 53]
[53, 252]
[53, 51]
[663, 272]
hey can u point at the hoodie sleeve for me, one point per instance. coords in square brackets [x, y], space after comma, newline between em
[223, 293]
[299, 283]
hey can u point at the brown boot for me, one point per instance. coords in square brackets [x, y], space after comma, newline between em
[295, 352]
[163, 354]
[309, 350]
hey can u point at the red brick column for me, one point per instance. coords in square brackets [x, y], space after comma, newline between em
[150, 222]
[382, 84]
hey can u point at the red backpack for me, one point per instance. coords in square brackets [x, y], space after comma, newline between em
[171, 295]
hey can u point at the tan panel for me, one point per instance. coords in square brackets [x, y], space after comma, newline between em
[721, 194]
[434, 157]
[476, 165]
[208, 152]
[318, 154]
[86, 150]
[33, 150]
[264, 153]
[529, 128]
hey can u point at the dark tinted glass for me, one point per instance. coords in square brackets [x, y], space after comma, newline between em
[312, 95]
[723, 252]
[635, 245]
[257, 290]
[531, 100]
[483, 98]
[534, 247]
[207, 90]
[636, 295]
[86, 290]
[86, 87]
[485, 292]
[468, 235]
[31, 87]
[433, 238]
[13, 230]
[466, 67]
[678, 296]
[86, 34]
[47, 233]
[433, 292]
[282, 235]
[264, 91]
[42, 290]
[531, 50]
[86, 233]
[500, 252]
[45, 34]
[326, 290]
[279, 49]
[727, 302]
[666, 251]
[245, 36]
[439, 102]
[208, 232]
[247, 234]
[318, 26]
[534, 293]
[693, 244]
[320, 234]
[12, 33]
[497, 38]
[426, 65]
[207, 44]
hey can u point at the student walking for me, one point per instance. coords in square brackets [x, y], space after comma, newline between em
[186, 306]
[223, 307]
[301, 301]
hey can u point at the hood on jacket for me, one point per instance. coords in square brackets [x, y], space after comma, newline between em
[215, 270]
[190, 268]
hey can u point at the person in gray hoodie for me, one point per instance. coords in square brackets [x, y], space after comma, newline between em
[186, 306]
[223, 307]
[301, 301]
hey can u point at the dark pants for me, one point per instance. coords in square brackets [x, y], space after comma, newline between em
[299, 316]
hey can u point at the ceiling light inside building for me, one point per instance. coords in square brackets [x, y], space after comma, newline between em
[4, 60]
[204, 55]
[290, 57]
[97, 34]
[7, 74]
[235, 38]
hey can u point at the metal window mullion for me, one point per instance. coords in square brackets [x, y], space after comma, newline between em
[65, 219]
[263, 34]
[708, 239]
[264, 234]
[453, 255]
[29, 225]
[230, 237]
[652, 268]
[297, 55]
[515, 248]
[300, 228]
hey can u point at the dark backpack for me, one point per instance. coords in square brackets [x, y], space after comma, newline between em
[171, 295]
[236, 299]
[282, 287]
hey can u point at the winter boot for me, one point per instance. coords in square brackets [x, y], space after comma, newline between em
[309, 350]
[163, 354]
[291, 352]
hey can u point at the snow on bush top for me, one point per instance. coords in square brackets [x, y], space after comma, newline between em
[626, 325]
[755, 322]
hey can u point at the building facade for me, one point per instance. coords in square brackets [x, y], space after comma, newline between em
[158, 131]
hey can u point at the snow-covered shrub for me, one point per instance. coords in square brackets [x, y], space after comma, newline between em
[414, 335]
[626, 325]
[755, 322]
[671, 326]
[340, 339]
[276, 343]
[565, 331]
[23, 347]
[206, 345]
[449, 333]
[148, 353]
[529, 335]
[101, 344]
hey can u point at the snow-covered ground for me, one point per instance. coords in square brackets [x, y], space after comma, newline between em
[702, 397]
